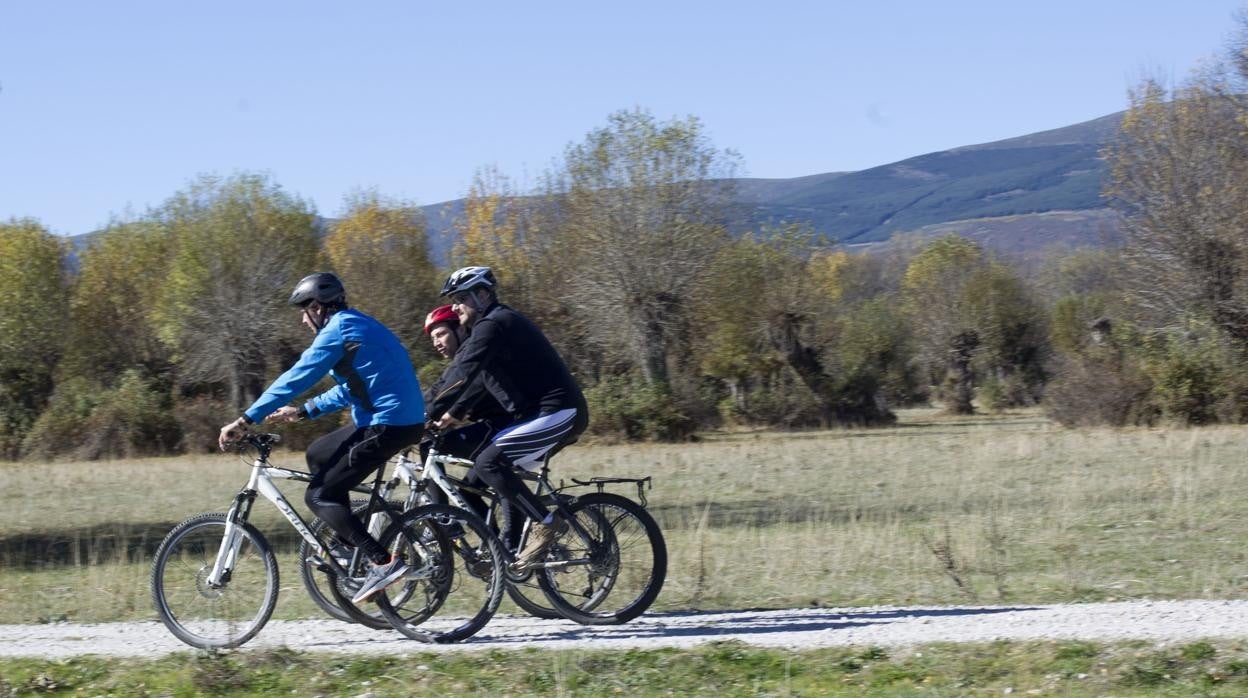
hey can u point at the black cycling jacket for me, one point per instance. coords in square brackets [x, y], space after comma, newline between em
[479, 404]
[515, 364]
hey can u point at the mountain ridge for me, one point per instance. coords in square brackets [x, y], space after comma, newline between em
[1015, 194]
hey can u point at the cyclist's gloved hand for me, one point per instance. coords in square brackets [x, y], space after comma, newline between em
[446, 421]
[231, 432]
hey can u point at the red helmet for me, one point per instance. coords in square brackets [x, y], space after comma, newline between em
[442, 313]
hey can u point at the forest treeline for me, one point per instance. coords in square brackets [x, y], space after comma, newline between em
[171, 321]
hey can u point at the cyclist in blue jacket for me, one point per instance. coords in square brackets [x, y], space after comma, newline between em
[373, 376]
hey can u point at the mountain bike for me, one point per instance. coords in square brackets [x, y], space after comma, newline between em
[214, 577]
[607, 569]
[318, 581]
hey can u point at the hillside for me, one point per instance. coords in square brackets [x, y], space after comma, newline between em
[1057, 170]
[1018, 194]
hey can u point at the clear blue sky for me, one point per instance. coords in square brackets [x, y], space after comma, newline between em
[106, 106]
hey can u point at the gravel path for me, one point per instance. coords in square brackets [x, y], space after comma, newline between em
[1161, 621]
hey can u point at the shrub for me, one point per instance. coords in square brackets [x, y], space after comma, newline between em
[298, 436]
[132, 419]
[1099, 389]
[776, 403]
[1198, 378]
[1009, 391]
[1188, 391]
[23, 395]
[200, 420]
[429, 373]
[625, 407]
[60, 427]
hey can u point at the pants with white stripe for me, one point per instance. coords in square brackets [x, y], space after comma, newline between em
[524, 445]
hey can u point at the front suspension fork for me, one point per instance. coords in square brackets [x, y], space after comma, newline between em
[232, 540]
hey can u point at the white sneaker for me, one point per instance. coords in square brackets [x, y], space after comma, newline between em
[379, 577]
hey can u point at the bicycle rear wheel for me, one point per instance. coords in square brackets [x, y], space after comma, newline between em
[457, 573]
[213, 617]
[526, 592]
[613, 574]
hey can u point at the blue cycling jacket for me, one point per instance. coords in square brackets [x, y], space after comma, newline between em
[370, 366]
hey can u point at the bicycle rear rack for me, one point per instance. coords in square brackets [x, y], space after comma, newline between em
[643, 484]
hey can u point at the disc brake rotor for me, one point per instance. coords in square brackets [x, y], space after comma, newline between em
[205, 589]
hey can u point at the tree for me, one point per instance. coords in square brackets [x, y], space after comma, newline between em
[1012, 333]
[118, 287]
[33, 309]
[734, 345]
[239, 245]
[933, 289]
[1082, 288]
[774, 303]
[380, 249]
[493, 232]
[1180, 178]
[975, 320]
[643, 207]
[873, 334]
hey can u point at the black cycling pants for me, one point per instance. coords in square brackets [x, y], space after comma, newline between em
[466, 442]
[344, 458]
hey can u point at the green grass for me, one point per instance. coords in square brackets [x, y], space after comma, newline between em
[722, 669]
[937, 510]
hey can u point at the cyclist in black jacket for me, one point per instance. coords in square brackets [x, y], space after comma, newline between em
[519, 368]
[487, 416]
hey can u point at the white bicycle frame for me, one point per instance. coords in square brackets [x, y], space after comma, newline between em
[413, 472]
[432, 470]
[261, 481]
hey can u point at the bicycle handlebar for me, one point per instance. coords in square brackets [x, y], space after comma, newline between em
[262, 442]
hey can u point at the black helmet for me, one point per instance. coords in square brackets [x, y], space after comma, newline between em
[322, 287]
[467, 278]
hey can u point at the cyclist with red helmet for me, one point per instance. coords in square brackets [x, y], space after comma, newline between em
[442, 326]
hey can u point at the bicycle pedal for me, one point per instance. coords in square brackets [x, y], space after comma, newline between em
[318, 564]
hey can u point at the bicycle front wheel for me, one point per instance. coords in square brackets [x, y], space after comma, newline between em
[217, 616]
[456, 581]
[612, 568]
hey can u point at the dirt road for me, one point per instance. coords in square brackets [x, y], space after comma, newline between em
[1161, 621]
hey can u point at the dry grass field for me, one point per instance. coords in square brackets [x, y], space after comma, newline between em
[935, 510]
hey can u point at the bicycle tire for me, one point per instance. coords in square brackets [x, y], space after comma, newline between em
[343, 590]
[315, 578]
[467, 567]
[627, 556]
[204, 617]
[523, 590]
